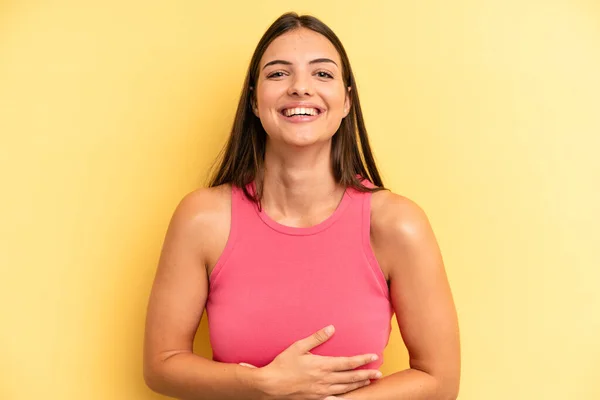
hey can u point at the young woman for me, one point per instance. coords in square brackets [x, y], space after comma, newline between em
[296, 234]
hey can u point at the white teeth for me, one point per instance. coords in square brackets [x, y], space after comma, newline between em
[300, 110]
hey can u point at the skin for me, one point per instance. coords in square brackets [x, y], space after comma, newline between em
[300, 191]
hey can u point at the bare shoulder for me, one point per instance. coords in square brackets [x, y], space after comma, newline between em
[395, 214]
[204, 215]
[400, 229]
[205, 203]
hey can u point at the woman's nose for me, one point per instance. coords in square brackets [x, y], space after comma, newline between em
[300, 86]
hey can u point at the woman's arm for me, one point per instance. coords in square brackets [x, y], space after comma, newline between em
[405, 245]
[176, 305]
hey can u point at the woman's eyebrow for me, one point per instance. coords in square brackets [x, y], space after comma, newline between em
[315, 61]
[323, 60]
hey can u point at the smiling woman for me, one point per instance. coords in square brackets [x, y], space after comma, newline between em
[298, 253]
[301, 69]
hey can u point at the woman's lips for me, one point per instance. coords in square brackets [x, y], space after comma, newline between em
[301, 118]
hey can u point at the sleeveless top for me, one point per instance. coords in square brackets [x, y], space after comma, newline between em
[274, 285]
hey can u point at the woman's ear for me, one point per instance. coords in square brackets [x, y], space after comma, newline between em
[347, 102]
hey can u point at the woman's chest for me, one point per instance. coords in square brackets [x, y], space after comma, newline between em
[256, 323]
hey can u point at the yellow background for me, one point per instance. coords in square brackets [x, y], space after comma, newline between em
[486, 113]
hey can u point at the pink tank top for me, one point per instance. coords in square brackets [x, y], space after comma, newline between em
[275, 284]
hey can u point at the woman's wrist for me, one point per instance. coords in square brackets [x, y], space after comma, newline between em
[257, 381]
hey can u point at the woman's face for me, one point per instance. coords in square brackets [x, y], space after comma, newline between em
[300, 93]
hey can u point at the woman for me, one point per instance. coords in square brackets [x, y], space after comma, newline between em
[295, 235]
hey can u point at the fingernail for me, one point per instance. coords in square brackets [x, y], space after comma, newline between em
[329, 330]
[374, 358]
[378, 374]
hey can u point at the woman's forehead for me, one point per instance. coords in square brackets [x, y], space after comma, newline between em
[300, 46]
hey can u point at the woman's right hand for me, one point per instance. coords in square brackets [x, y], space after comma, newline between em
[297, 374]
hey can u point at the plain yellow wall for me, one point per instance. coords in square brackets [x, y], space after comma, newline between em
[486, 113]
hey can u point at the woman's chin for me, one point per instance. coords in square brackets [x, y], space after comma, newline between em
[304, 139]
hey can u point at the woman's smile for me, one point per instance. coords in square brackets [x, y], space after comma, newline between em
[301, 112]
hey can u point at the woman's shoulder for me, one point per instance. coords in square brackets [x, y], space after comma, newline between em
[207, 198]
[205, 206]
[397, 216]
[202, 219]
[400, 232]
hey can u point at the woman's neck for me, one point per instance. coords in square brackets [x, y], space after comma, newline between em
[300, 187]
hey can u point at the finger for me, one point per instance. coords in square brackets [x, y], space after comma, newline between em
[247, 365]
[348, 363]
[314, 340]
[345, 388]
[354, 376]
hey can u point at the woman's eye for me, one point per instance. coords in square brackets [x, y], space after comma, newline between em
[323, 74]
[277, 74]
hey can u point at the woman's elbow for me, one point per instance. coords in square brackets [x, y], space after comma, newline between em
[448, 388]
[152, 376]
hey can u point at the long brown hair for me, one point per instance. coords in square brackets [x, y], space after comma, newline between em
[241, 161]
